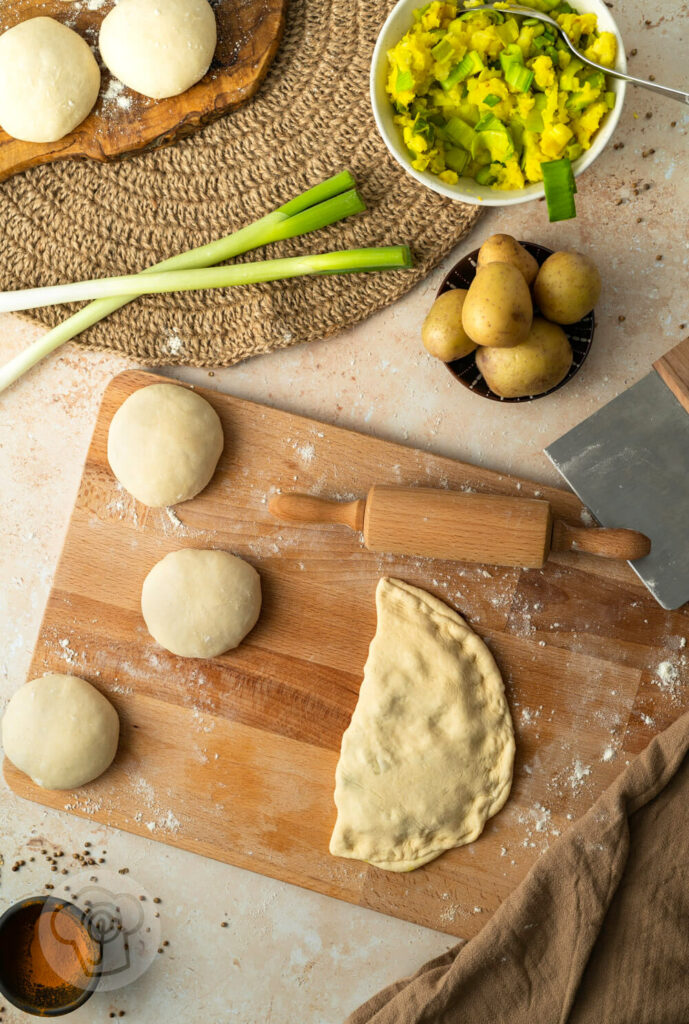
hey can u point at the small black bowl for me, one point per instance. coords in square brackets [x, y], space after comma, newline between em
[465, 370]
[34, 906]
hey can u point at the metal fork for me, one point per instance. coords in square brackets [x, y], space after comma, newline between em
[526, 12]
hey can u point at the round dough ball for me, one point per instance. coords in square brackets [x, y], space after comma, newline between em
[159, 47]
[198, 604]
[61, 731]
[49, 80]
[164, 443]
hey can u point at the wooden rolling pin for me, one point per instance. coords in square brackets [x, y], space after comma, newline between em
[488, 528]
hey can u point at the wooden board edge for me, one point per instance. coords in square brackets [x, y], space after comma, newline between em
[357, 898]
[492, 476]
[73, 147]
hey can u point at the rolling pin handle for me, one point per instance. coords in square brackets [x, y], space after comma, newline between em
[626, 545]
[304, 508]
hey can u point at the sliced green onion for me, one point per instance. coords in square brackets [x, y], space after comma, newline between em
[491, 100]
[386, 258]
[460, 132]
[485, 176]
[609, 98]
[442, 50]
[404, 81]
[324, 204]
[512, 54]
[468, 65]
[560, 186]
[456, 159]
[534, 121]
[519, 77]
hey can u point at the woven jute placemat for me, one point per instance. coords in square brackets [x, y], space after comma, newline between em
[312, 118]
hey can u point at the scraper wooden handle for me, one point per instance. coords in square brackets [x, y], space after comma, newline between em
[466, 527]
[673, 367]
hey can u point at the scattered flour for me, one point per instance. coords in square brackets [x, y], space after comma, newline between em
[578, 775]
[609, 754]
[667, 678]
[115, 91]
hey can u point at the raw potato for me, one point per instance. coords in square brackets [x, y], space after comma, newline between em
[442, 332]
[159, 48]
[506, 249]
[199, 604]
[164, 443]
[497, 310]
[567, 287]
[61, 731]
[49, 80]
[535, 366]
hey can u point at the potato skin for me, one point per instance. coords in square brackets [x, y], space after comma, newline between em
[442, 333]
[567, 287]
[498, 310]
[506, 249]
[534, 366]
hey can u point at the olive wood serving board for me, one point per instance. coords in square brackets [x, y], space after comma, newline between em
[123, 121]
[234, 757]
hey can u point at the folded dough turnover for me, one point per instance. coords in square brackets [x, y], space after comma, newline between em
[428, 755]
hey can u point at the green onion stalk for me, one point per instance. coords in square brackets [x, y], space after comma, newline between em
[392, 257]
[326, 203]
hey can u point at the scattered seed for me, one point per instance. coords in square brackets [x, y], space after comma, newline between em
[223, 924]
[618, 145]
[165, 942]
[651, 78]
[157, 899]
[633, 53]
[649, 115]
[621, 318]
[673, 124]
[123, 871]
[658, 258]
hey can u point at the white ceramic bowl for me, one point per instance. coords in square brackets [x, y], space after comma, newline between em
[467, 190]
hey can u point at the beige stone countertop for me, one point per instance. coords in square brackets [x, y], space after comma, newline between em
[289, 955]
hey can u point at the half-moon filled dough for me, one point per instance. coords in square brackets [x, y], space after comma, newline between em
[198, 603]
[164, 443]
[49, 80]
[159, 48]
[427, 757]
[61, 731]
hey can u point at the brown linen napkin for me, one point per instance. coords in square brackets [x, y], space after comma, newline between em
[598, 931]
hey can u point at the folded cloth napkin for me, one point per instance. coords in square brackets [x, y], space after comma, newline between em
[598, 931]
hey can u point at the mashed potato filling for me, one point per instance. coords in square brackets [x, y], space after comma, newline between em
[491, 97]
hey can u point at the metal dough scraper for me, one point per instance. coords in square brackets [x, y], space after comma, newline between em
[629, 463]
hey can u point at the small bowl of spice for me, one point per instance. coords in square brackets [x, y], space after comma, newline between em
[49, 961]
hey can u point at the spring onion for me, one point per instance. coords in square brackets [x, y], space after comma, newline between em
[518, 76]
[391, 257]
[324, 204]
[560, 186]
[468, 65]
[491, 100]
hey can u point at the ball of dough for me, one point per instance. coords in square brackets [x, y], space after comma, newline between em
[158, 47]
[61, 731]
[164, 443]
[49, 80]
[198, 604]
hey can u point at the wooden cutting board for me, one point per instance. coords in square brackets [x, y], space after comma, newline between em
[123, 121]
[234, 758]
